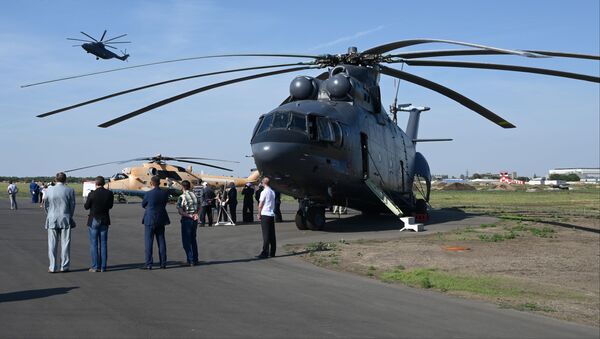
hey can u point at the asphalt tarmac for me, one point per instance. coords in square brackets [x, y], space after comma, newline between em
[232, 294]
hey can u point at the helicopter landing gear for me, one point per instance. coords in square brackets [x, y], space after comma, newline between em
[300, 221]
[310, 217]
[120, 198]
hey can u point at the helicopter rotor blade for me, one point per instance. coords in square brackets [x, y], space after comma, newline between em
[87, 35]
[199, 90]
[174, 60]
[117, 42]
[466, 52]
[405, 43]
[162, 83]
[102, 164]
[79, 40]
[109, 46]
[514, 68]
[209, 159]
[103, 35]
[111, 39]
[204, 164]
[461, 99]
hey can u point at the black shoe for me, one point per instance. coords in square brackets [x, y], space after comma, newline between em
[262, 256]
[163, 267]
[146, 267]
[272, 255]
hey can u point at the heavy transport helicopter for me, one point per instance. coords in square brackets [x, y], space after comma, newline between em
[135, 181]
[332, 142]
[98, 47]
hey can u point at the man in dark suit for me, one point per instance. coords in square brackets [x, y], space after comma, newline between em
[99, 202]
[232, 202]
[155, 219]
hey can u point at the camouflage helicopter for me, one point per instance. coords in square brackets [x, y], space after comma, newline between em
[332, 142]
[135, 181]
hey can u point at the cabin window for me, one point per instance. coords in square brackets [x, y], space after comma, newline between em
[324, 130]
[298, 122]
[265, 123]
[280, 120]
[337, 133]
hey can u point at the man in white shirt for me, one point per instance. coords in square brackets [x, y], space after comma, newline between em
[12, 195]
[266, 215]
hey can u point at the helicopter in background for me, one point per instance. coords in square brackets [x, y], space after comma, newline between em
[98, 47]
[331, 142]
[135, 181]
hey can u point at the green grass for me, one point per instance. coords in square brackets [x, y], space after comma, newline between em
[581, 202]
[496, 237]
[320, 246]
[24, 189]
[431, 278]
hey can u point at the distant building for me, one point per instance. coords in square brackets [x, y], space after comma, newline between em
[585, 174]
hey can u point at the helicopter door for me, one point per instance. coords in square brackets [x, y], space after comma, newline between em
[364, 147]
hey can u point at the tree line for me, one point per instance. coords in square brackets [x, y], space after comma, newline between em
[43, 179]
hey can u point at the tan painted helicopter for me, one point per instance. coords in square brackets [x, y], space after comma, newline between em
[135, 181]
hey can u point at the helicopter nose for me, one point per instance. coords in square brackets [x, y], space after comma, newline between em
[275, 155]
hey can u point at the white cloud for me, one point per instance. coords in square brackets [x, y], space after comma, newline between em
[347, 38]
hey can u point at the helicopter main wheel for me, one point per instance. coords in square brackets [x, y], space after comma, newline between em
[421, 206]
[315, 218]
[300, 220]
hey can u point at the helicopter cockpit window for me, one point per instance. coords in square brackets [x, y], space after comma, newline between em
[265, 123]
[324, 130]
[120, 176]
[298, 122]
[280, 120]
[168, 174]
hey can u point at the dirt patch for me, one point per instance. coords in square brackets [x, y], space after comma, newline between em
[458, 186]
[523, 265]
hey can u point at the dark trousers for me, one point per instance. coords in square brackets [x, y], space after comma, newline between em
[248, 211]
[206, 211]
[188, 239]
[277, 211]
[232, 211]
[267, 224]
[157, 232]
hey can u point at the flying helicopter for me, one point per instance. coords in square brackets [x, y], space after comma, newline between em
[135, 181]
[331, 142]
[98, 47]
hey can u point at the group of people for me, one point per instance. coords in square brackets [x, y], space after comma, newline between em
[193, 208]
[36, 190]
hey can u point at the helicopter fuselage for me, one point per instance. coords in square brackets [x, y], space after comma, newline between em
[99, 50]
[322, 149]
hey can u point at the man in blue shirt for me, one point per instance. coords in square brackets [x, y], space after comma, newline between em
[155, 219]
[34, 189]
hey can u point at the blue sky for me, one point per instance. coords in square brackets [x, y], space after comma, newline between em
[557, 119]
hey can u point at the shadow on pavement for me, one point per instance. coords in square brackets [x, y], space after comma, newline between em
[233, 261]
[34, 294]
[388, 222]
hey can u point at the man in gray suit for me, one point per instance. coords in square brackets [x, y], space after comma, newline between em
[59, 203]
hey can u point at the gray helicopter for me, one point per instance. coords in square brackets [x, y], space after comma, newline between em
[98, 47]
[331, 142]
